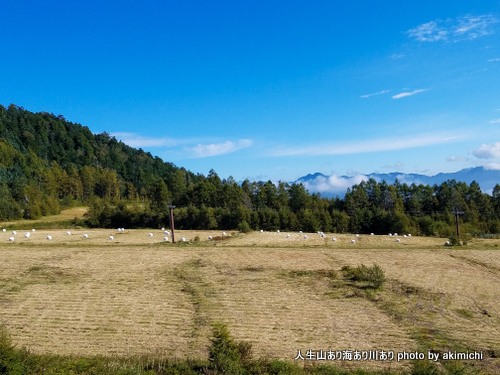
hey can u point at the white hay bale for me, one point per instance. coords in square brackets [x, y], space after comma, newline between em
[398, 240]
[183, 239]
[287, 236]
[390, 234]
[162, 228]
[305, 236]
[49, 237]
[165, 239]
[209, 237]
[224, 233]
[395, 234]
[357, 235]
[11, 239]
[85, 235]
[32, 230]
[4, 230]
[371, 234]
[261, 231]
[27, 235]
[111, 238]
[353, 241]
[68, 233]
[14, 233]
[404, 235]
[278, 231]
[300, 231]
[447, 243]
[322, 235]
[409, 235]
[167, 233]
[119, 229]
[334, 239]
[150, 234]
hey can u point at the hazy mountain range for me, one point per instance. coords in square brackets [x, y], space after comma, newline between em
[335, 185]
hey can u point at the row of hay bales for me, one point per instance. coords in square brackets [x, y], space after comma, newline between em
[166, 235]
[334, 239]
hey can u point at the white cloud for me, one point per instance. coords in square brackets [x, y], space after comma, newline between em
[457, 158]
[474, 27]
[333, 184]
[374, 145]
[203, 151]
[495, 121]
[428, 32]
[492, 60]
[487, 151]
[395, 56]
[493, 166]
[462, 28]
[135, 140]
[375, 93]
[403, 94]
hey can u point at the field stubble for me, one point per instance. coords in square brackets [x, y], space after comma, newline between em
[138, 295]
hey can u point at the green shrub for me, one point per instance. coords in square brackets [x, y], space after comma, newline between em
[12, 360]
[373, 275]
[244, 227]
[454, 240]
[225, 355]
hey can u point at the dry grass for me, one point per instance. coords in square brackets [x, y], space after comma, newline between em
[68, 214]
[136, 294]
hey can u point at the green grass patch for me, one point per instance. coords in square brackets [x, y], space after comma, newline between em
[465, 313]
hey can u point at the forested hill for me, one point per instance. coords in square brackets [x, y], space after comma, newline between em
[52, 138]
[47, 163]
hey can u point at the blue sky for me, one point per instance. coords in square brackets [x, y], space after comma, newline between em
[267, 89]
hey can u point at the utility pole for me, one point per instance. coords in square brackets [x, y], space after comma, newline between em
[171, 220]
[456, 212]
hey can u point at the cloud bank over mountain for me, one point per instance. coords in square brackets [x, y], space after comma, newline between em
[336, 185]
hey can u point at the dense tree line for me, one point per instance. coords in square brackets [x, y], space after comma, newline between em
[47, 163]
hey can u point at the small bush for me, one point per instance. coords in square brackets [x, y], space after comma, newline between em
[12, 360]
[466, 238]
[225, 355]
[454, 240]
[374, 275]
[243, 227]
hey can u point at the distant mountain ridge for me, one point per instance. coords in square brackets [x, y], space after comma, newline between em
[335, 185]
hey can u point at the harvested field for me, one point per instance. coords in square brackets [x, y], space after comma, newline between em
[137, 294]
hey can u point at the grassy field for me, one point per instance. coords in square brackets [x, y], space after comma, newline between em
[137, 294]
[65, 215]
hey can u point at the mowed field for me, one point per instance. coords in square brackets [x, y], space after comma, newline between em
[138, 294]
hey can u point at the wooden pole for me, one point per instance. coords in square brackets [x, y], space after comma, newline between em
[457, 222]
